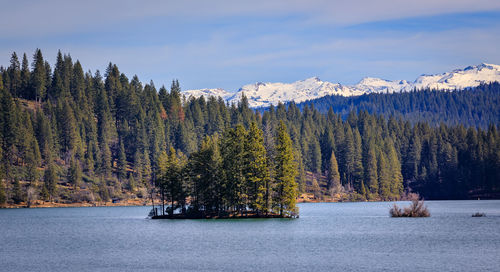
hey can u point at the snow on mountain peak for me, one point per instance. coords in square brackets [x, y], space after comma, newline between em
[468, 77]
[487, 66]
[207, 92]
[264, 94]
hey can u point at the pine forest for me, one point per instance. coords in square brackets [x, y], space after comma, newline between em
[70, 136]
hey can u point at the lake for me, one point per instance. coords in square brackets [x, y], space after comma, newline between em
[326, 237]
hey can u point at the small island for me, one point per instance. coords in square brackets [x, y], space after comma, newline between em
[230, 176]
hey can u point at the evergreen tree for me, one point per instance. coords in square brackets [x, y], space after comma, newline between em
[358, 171]
[395, 171]
[105, 167]
[410, 170]
[316, 189]
[3, 195]
[173, 181]
[162, 166]
[89, 159]
[44, 193]
[138, 166]
[25, 79]
[132, 184]
[316, 157]
[333, 176]
[17, 192]
[348, 158]
[384, 177]
[28, 149]
[256, 172]
[363, 192]
[371, 177]
[51, 179]
[8, 113]
[103, 190]
[39, 76]
[122, 163]
[146, 167]
[81, 119]
[233, 163]
[75, 173]
[301, 176]
[77, 85]
[70, 138]
[285, 185]
[14, 76]
[205, 172]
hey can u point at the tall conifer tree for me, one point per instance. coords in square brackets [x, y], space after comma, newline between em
[256, 172]
[285, 185]
[333, 175]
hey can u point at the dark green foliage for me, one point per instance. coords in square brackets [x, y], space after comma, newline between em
[38, 78]
[477, 107]
[206, 180]
[371, 173]
[230, 175]
[8, 113]
[334, 185]
[131, 185]
[233, 163]
[171, 180]
[285, 188]
[384, 177]
[50, 180]
[315, 160]
[113, 128]
[13, 76]
[75, 173]
[103, 190]
[122, 162]
[17, 192]
[3, 195]
[257, 170]
[393, 169]
[25, 91]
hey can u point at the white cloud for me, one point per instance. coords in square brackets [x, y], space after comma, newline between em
[229, 57]
[38, 18]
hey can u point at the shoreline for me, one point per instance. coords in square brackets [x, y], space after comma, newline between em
[127, 203]
[141, 202]
[46, 204]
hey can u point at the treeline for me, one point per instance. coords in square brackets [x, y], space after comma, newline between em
[71, 136]
[474, 107]
[233, 173]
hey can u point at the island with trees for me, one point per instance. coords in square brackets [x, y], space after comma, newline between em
[230, 176]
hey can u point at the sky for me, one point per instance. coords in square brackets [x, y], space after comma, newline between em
[227, 44]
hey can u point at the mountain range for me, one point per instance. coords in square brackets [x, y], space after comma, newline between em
[264, 94]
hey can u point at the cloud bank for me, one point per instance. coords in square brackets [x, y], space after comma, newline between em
[208, 44]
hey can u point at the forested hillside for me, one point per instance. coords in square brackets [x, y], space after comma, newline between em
[73, 136]
[476, 107]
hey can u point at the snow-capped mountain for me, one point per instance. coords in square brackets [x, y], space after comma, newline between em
[377, 85]
[470, 76]
[264, 94]
[207, 92]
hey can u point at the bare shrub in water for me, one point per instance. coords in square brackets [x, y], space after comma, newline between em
[416, 209]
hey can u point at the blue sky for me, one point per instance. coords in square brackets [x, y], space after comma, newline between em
[226, 44]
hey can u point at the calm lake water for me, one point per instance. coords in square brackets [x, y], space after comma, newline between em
[327, 237]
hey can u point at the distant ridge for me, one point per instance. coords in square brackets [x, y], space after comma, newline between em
[264, 94]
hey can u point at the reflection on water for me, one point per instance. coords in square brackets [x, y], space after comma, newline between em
[327, 237]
